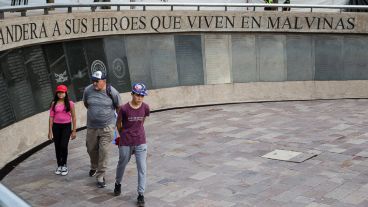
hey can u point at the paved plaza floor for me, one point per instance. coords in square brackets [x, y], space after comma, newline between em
[211, 156]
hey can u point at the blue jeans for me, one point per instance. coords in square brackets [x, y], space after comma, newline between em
[140, 152]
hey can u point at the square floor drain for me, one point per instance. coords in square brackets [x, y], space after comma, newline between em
[289, 156]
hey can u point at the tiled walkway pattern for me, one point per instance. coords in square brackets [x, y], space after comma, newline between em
[210, 156]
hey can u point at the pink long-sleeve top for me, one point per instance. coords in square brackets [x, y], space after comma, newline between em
[60, 115]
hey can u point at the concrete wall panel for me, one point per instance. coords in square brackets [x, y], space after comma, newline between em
[244, 59]
[189, 59]
[328, 57]
[75, 56]
[19, 86]
[164, 72]
[355, 57]
[217, 58]
[299, 57]
[39, 76]
[139, 57]
[7, 115]
[271, 57]
[117, 63]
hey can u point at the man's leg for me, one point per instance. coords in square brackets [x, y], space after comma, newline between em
[92, 147]
[106, 136]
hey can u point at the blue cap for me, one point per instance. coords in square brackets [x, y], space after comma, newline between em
[98, 75]
[140, 89]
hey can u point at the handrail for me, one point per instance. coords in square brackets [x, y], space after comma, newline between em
[9, 199]
[196, 6]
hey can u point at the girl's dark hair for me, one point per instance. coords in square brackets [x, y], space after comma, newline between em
[66, 102]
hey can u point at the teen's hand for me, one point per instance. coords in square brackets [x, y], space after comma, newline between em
[50, 136]
[73, 135]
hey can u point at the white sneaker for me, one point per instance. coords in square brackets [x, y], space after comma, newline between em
[64, 170]
[58, 170]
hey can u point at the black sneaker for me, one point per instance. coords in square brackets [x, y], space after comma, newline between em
[92, 173]
[140, 200]
[101, 184]
[117, 189]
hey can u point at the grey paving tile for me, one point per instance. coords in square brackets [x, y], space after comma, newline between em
[314, 204]
[302, 199]
[342, 191]
[356, 197]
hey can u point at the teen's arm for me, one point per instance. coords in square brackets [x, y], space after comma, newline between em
[74, 123]
[119, 125]
[51, 121]
[147, 113]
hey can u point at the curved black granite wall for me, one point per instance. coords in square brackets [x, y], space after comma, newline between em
[29, 75]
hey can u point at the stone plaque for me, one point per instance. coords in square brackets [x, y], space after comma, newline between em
[355, 58]
[54, 53]
[271, 57]
[189, 59]
[78, 67]
[299, 59]
[163, 61]
[39, 77]
[244, 61]
[96, 58]
[289, 156]
[117, 62]
[217, 57]
[19, 87]
[58, 66]
[328, 57]
[7, 115]
[281, 155]
[139, 57]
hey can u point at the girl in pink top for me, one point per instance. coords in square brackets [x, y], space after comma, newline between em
[62, 127]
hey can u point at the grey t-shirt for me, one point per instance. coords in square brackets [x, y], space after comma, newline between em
[100, 111]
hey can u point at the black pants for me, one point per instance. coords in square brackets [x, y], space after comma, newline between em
[61, 134]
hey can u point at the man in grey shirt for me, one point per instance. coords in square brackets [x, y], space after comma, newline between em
[101, 101]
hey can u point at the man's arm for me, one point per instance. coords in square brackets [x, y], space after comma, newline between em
[117, 99]
[85, 98]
